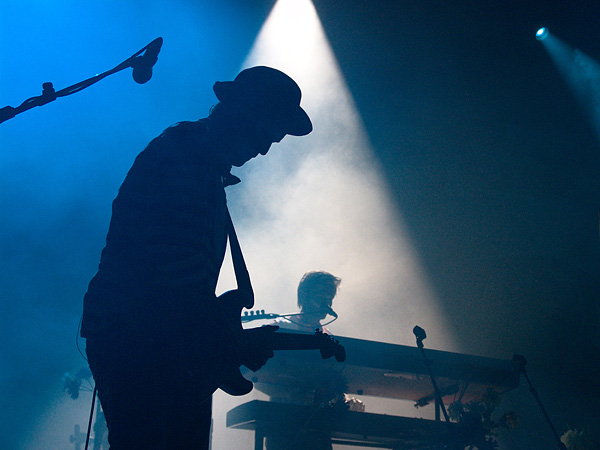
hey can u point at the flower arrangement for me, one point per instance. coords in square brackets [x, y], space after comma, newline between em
[477, 427]
[579, 440]
[72, 384]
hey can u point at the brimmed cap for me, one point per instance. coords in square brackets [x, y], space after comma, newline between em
[269, 92]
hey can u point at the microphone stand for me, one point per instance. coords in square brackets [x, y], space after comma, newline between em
[519, 363]
[421, 335]
[49, 94]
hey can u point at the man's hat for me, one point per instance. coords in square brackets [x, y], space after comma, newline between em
[270, 92]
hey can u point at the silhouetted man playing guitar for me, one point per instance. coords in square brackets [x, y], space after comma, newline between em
[156, 343]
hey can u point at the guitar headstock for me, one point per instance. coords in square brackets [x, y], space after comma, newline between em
[329, 346]
[249, 316]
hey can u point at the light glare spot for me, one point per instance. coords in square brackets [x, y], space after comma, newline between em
[541, 33]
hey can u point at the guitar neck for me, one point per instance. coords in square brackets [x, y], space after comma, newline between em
[282, 340]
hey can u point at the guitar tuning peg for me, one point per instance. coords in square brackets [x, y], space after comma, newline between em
[262, 311]
[245, 313]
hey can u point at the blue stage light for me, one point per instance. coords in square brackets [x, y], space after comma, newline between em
[541, 33]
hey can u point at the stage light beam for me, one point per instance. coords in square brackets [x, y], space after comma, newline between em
[581, 73]
[320, 202]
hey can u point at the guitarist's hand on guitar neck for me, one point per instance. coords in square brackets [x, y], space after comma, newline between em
[256, 346]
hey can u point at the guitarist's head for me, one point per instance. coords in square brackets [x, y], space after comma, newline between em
[316, 292]
[258, 108]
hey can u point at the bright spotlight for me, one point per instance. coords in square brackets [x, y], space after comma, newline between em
[541, 33]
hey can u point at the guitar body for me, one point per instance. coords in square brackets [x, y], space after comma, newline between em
[231, 304]
[235, 384]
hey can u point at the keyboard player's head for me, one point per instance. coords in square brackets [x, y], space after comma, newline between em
[316, 292]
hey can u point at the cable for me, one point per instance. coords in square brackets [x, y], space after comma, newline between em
[287, 316]
[77, 339]
[89, 430]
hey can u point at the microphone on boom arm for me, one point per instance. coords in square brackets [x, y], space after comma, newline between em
[420, 335]
[142, 65]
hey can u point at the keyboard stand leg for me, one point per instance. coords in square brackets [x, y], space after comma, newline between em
[259, 438]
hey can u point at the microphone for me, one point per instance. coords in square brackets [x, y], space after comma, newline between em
[419, 333]
[331, 312]
[142, 65]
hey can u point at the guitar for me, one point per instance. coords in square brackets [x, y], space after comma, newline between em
[231, 379]
[232, 302]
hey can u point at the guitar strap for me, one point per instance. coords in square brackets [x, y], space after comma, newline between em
[239, 265]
